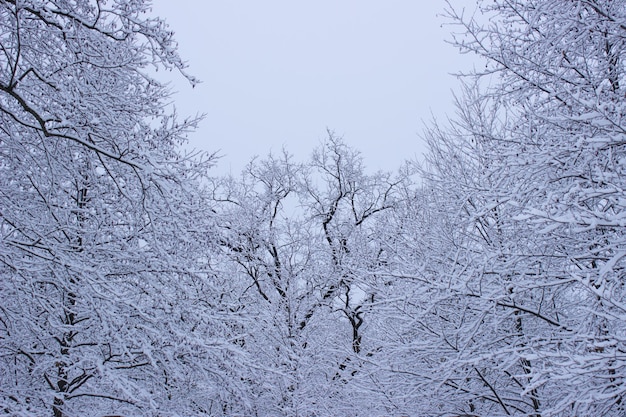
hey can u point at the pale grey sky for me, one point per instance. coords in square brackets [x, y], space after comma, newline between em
[279, 72]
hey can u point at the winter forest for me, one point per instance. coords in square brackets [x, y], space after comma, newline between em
[487, 280]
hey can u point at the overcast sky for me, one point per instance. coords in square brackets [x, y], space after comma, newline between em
[280, 72]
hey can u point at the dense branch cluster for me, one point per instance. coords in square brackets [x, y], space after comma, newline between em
[488, 280]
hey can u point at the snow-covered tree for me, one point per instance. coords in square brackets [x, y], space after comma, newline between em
[106, 302]
[302, 240]
[532, 313]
